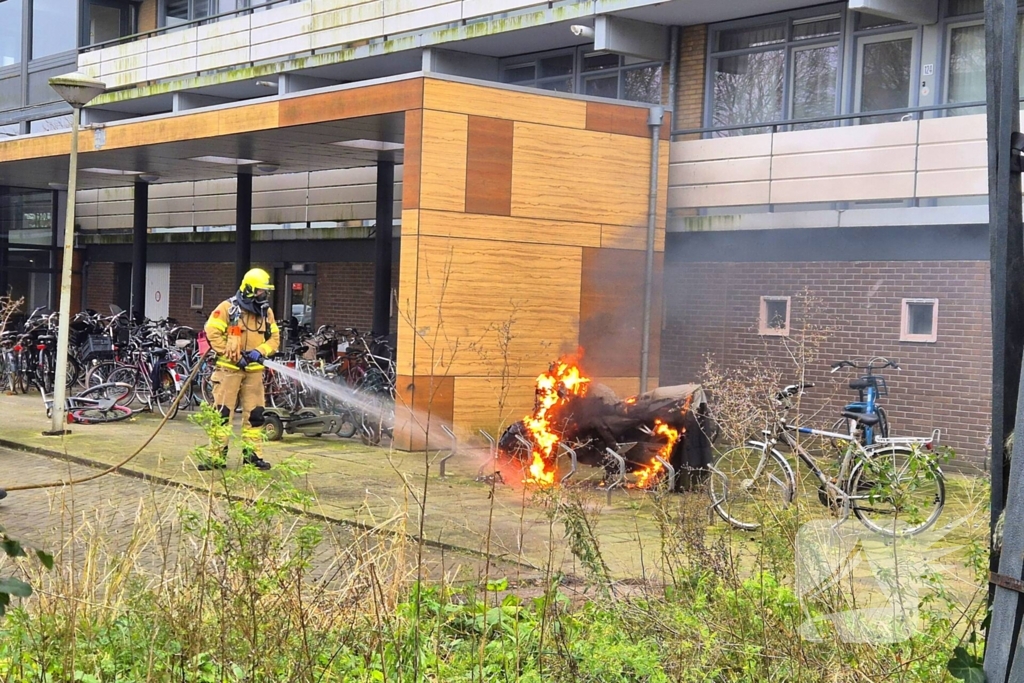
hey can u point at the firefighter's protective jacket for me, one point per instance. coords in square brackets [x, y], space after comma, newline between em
[232, 331]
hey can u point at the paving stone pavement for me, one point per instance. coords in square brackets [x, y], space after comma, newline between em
[358, 485]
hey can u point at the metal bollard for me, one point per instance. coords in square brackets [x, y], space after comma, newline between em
[620, 480]
[671, 472]
[572, 458]
[455, 447]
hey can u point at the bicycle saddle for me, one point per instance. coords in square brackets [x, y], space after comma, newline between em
[862, 383]
[864, 419]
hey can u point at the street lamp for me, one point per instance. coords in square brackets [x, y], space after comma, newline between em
[76, 89]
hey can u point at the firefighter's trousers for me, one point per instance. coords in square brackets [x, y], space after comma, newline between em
[228, 387]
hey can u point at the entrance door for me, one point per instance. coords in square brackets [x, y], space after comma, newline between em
[158, 284]
[300, 298]
[885, 73]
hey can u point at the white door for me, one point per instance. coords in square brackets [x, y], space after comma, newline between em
[886, 73]
[158, 284]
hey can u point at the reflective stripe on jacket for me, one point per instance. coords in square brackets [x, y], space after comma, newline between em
[257, 333]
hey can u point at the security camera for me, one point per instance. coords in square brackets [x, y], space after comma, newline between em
[582, 31]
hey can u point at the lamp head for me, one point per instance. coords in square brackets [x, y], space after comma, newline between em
[77, 89]
[582, 31]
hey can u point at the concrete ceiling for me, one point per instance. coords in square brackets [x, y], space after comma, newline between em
[295, 149]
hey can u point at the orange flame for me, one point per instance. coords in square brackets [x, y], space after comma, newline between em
[562, 381]
[650, 473]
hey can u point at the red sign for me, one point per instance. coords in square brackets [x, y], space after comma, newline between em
[296, 286]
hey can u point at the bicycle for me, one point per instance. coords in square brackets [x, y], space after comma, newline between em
[869, 387]
[894, 486]
[97, 405]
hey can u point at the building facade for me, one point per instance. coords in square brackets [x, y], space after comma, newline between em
[826, 167]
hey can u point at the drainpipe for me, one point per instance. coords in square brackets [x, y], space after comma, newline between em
[654, 118]
[673, 72]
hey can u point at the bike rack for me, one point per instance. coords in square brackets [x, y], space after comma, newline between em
[572, 459]
[671, 472]
[492, 452]
[621, 479]
[455, 447]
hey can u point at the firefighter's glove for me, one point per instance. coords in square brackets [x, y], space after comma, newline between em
[253, 356]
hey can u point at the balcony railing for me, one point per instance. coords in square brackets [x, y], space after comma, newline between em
[915, 158]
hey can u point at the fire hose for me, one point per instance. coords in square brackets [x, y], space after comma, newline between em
[114, 468]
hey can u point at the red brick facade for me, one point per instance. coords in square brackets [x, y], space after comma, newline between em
[100, 286]
[713, 308]
[344, 291]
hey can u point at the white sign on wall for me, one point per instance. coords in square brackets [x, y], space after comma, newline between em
[158, 283]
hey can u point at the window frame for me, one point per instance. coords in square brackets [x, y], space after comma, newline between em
[883, 35]
[763, 328]
[905, 334]
[128, 28]
[192, 297]
[789, 46]
[579, 76]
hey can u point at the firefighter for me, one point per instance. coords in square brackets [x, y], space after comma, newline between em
[242, 331]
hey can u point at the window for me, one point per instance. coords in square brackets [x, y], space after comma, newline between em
[590, 73]
[918, 320]
[54, 25]
[964, 54]
[787, 68]
[10, 32]
[183, 11]
[107, 20]
[774, 319]
[53, 123]
[196, 300]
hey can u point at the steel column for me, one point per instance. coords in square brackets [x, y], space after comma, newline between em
[140, 232]
[383, 248]
[243, 225]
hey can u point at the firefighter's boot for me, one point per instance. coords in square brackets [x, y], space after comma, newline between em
[252, 440]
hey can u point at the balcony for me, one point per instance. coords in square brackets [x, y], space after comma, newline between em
[312, 33]
[932, 158]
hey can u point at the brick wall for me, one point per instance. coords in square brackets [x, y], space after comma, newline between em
[218, 280]
[713, 308]
[344, 294]
[690, 91]
[100, 286]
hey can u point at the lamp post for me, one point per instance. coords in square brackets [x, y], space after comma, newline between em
[76, 89]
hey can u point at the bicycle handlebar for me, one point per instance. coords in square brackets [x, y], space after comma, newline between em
[873, 364]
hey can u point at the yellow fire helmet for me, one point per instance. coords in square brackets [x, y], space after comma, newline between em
[255, 279]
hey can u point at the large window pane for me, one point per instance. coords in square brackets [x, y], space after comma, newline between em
[885, 77]
[104, 23]
[967, 64]
[53, 123]
[642, 85]
[54, 27]
[520, 74]
[748, 89]
[959, 8]
[814, 83]
[555, 66]
[603, 86]
[10, 32]
[176, 12]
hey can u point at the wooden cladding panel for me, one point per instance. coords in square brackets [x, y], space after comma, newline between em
[611, 311]
[500, 103]
[469, 289]
[347, 104]
[443, 161]
[491, 403]
[579, 175]
[422, 405]
[412, 159]
[407, 291]
[507, 229]
[489, 166]
[610, 118]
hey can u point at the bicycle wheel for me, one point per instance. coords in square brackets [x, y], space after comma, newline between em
[120, 392]
[164, 394]
[749, 484]
[100, 373]
[130, 376]
[897, 490]
[96, 415]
